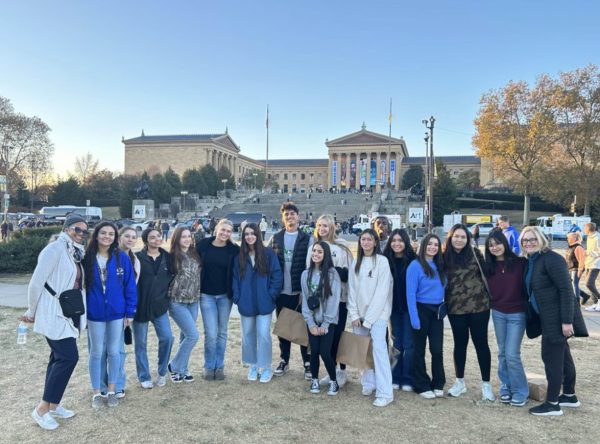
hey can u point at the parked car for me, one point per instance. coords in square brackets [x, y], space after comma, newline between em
[140, 226]
[484, 228]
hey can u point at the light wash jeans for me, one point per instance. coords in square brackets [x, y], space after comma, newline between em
[510, 328]
[257, 346]
[104, 336]
[215, 316]
[185, 316]
[122, 378]
[379, 378]
[162, 326]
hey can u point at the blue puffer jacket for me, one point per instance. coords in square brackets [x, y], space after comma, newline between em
[254, 293]
[120, 298]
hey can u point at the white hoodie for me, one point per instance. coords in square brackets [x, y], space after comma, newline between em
[370, 291]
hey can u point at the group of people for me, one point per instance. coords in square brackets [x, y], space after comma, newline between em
[387, 290]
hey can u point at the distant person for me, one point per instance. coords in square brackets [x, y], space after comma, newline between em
[592, 264]
[575, 228]
[291, 246]
[257, 281]
[59, 268]
[165, 229]
[382, 227]
[4, 230]
[263, 227]
[511, 233]
[575, 257]
[476, 235]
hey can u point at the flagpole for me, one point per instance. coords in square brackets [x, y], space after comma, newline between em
[267, 158]
[388, 163]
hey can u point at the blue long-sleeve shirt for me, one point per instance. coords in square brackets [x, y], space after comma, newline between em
[422, 288]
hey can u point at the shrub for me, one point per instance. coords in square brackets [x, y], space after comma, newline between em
[20, 254]
[42, 232]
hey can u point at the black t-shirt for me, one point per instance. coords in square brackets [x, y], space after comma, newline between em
[215, 264]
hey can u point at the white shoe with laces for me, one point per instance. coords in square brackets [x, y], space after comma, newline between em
[161, 381]
[61, 412]
[427, 395]
[593, 307]
[486, 392]
[45, 421]
[341, 377]
[458, 388]
[147, 384]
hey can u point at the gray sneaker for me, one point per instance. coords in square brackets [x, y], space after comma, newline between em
[112, 400]
[209, 374]
[219, 374]
[97, 401]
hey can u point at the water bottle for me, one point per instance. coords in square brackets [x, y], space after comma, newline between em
[22, 333]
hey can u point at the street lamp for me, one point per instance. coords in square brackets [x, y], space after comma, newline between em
[224, 181]
[255, 174]
[183, 194]
[6, 149]
[429, 124]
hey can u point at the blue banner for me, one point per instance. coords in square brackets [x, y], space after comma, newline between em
[334, 173]
[373, 181]
[393, 172]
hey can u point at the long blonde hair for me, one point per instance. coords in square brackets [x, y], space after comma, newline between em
[331, 235]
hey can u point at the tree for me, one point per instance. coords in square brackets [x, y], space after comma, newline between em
[211, 179]
[160, 189]
[515, 130]
[102, 187]
[224, 173]
[468, 180]
[174, 181]
[444, 194]
[413, 176]
[128, 185]
[21, 139]
[67, 192]
[85, 166]
[193, 182]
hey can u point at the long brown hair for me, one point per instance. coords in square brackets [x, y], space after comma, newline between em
[260, 253]
[361, 253]
[176, 251]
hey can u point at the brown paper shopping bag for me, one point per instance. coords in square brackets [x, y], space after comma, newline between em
[290, 325]
[355, 351]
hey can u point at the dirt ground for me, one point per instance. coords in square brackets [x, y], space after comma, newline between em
[236, 410]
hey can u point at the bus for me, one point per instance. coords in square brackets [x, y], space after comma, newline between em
[60, 212]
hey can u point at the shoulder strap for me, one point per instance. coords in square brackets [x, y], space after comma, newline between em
[50, 289]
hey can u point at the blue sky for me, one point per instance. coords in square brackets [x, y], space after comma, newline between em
[96, 71]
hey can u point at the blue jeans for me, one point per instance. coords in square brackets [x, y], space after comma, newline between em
[104, 336]
[185, 316]
[215, 316]
[122, 378]
[165, 342]
[257, 346]
[510, 328]
[402, 336]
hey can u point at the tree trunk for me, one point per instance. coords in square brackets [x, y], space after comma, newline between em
[526, 203]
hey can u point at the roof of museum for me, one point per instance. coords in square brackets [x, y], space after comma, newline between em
[296, 162]
[176, 138]
[448, 160]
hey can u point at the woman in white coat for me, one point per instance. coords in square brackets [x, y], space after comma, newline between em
[59, 269]
[369, 309]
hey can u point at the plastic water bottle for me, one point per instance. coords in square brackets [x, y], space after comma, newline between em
[22, 333]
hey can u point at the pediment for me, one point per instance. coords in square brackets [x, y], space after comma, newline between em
[363, 137]
[227, 141]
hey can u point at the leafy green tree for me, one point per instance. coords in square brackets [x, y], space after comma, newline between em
[194, 182]
[128, 185]
[160, 190]
[468, 180]
[211, 179]
[444, 194]
[174, 181]
[224, 173]
[413, 176]
[67, 192]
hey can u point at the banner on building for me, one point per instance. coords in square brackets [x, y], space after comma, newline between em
[353, 174]
[392, 172]
[383, 176]
[343, 175]
[363, 172]
[373, 180]
[334, 173]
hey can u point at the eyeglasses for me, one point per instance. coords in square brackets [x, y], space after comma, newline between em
[78, 230]
[531, 240]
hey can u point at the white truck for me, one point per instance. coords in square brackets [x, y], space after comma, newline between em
[468, 219]
[557, 226]
[364, 221]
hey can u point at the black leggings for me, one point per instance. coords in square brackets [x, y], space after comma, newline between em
[320, 346]
[477, 325]
[337, 334]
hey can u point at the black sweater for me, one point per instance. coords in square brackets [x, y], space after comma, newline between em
[233, 250]
[153, 287]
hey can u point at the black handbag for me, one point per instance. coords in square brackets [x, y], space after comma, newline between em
[71, 301]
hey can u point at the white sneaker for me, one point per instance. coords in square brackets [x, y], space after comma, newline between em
[366, 391]
[458, 388]
[438, 393]
[427, 395]
[45, 421]
[407, 388]
[161, 381]
[61, 412]
[341, 377]
[325, 381]
[487, 392]
[382, 402]
[147, 384]
[593, 307]
[395, 386]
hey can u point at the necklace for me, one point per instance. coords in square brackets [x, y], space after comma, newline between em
[501, 267]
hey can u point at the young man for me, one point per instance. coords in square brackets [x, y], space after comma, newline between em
[291, 246]
[592, 263]
[511, 233]
[383, 228]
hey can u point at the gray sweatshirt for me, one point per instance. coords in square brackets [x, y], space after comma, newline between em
[328, 310]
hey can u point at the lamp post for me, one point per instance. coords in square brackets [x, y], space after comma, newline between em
[429, 124]
[255, 174]
[224, 181]
[183, 194]
[426, 181]
[6, 149]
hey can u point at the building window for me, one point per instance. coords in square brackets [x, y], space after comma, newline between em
[294, 176]
[285, 176]
[302, 176]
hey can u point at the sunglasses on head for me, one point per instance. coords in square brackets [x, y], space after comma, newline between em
[78, 230]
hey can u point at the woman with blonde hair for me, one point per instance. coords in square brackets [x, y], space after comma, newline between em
[217, 253]
[552, 300]
[342, 261]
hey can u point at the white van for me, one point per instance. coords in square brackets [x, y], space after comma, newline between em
[558, 226]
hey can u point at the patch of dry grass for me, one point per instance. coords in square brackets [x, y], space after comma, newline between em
[237, 410]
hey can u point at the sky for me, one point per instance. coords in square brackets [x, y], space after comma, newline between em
[100, 71]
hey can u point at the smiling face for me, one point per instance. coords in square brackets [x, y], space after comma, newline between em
[77, 232]
[154, 240]
[317, 254]
[106, 236]
[497, 249]
[367, 243]
[459, 240]
[290, 220]
[128, 240]
[397, 245]
[249, 236]
[530, 243]
[323, 228]
[185, 241]
[224, 232]
[432, 248]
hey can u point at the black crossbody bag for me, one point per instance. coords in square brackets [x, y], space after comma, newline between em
[71, 301]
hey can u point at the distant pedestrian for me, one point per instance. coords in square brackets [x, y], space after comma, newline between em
[165, 229]
[511, 233]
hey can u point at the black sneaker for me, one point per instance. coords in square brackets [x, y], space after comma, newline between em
[505, 399]
[568, 401]
[314, 386]
[170, 369]
[176, 378]
[584, 297]
[546, 409]
[188, 378]
[307, 372]
[281, 369]
[120, 394]
[334, 388]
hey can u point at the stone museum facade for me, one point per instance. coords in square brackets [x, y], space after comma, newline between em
[357, 161]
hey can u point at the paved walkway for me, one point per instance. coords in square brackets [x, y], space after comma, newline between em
[15, 295]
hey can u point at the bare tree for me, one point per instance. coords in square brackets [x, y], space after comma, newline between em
[85, 167]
